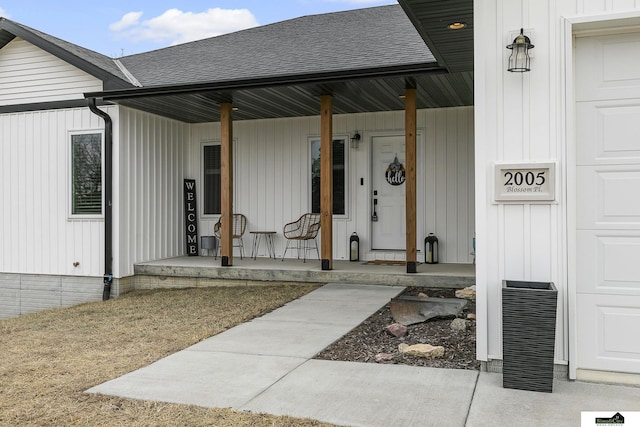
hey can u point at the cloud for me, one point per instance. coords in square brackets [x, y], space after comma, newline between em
[175, 26]
[128, 20]
[4, 13]
[362, 1]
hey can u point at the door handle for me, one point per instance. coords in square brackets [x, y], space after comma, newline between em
[374, 216]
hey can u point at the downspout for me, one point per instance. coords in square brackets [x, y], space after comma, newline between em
[108, 192]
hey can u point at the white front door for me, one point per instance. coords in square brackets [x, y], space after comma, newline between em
[388, 193]
[607, 72]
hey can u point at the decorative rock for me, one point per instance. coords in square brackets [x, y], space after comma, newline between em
[408, 310]
[459, 325]
[383, 357]
[471, 316]
[427, 351]
[423, 295]
[397, 330]
[467, 293]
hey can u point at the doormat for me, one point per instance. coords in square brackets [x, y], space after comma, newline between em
[385, 262]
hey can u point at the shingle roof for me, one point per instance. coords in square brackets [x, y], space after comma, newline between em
[378, 37]
[369, 38]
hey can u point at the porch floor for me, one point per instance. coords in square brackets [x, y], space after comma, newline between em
[293, 270]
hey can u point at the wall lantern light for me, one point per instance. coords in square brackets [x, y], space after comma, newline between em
[355, 139]
[519, 58]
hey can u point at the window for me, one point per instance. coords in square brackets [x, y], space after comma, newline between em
[211, 179]
[340, 147]
[86, 174]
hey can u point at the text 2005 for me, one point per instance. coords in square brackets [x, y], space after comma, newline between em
[528, 178]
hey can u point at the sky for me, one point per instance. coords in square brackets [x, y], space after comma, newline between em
[118, 27]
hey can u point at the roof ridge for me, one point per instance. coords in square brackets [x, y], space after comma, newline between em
[132, 79]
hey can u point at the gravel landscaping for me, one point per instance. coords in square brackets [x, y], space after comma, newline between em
[371, 339]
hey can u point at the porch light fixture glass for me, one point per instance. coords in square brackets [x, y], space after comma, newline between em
[519, 60]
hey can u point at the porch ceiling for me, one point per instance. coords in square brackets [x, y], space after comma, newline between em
[435, 89]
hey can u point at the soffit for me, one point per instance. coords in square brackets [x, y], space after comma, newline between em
[453, 49]
[350, 96]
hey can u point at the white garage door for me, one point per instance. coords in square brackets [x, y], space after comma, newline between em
[608, 202]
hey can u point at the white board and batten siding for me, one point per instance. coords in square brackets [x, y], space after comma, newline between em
[528, 117]
[28, 74]
[273, 171]
[151, 153]
[43, 238]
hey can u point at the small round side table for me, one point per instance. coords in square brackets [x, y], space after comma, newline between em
[268, 238]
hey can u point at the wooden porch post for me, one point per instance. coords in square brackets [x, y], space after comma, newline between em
[411, 152]
[226, 172]
[326, 182]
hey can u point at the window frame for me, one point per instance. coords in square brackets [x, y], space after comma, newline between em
[347, 183]
[200, 187]
[70, 175]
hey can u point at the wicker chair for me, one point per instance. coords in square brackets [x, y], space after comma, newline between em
[238, 229]
[303, 232]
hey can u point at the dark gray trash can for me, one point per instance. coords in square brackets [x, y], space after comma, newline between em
[528, 334]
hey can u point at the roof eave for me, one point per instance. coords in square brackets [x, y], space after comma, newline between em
[453, 49]
[109, 80]
[271, 81]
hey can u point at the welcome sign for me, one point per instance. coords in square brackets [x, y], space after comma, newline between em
[191, 217]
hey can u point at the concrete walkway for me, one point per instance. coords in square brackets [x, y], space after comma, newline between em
[265, 366]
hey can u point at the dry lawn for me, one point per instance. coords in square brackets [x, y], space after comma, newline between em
[48, 359]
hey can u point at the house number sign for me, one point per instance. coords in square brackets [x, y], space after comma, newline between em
[525, 182]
